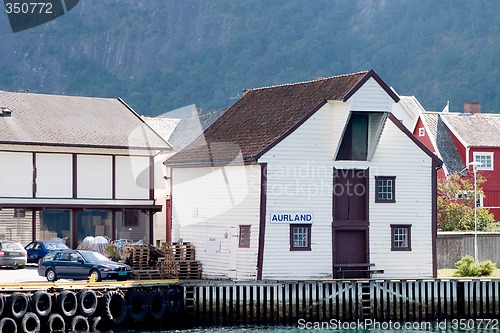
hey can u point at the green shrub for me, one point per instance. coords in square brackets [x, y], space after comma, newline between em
[467, 267]
[485, 268]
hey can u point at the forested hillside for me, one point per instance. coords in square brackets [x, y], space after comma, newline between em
[163, 54]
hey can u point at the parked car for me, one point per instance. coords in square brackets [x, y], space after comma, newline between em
[81, 265]
[12, 254]
[39, 249]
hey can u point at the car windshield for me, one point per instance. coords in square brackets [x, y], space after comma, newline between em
[11, 246]
[55, 246]
[93, 256]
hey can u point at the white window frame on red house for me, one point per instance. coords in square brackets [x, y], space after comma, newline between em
[421, 131]
[480, 157]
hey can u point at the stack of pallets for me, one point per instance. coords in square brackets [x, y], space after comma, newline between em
[170, 261]
[179, 262]
[143, 259]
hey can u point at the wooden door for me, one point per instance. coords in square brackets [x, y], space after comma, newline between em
[350, 220]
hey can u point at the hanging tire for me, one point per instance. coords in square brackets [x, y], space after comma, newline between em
[41, 303]
[96, 324]
[115, 307]
[80, 323]
[56, 323]
[67, 303]
[17, 304]
[8, 325]
[137, 305]
[157, 304]
[174, 300]
[2, 304]
[30, 323]
[87, 302]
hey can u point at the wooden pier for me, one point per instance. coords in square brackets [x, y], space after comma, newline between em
[210, 303]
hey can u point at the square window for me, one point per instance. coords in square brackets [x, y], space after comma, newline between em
[300, 237]
[131, 218]
[244, 240]
[486, 160]
[400, 237]
[385, 189]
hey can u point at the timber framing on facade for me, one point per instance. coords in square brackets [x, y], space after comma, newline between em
[72, 167]
[282, 160]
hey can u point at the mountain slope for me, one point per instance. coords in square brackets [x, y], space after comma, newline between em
[159, 55]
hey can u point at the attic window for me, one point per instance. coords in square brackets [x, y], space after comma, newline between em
[5, 111]
[421, 131]
[361, 135]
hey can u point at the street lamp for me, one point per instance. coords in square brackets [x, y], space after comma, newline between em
[475, 164]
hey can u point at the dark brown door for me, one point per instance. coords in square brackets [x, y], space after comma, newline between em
[350, 247]
[350, 220]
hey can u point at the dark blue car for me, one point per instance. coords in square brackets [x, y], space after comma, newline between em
[81, 265]
[38, 249]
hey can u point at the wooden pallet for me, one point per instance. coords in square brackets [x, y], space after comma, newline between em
[178, 250]
[147, 274]
[189, 269]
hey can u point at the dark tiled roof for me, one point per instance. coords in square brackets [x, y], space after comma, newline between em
[441, 137]
[476, 130]
[264, 116]
[74, 121]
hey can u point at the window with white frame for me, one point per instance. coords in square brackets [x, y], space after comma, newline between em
[401, 237]
[486, 160]
[421, 131]
[300, 237]
[385, 189]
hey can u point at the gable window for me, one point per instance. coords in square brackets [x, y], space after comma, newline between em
[400, 237]
[300, 237]
[486, 160]
[385, 189]
[421, 131]
[360, 136]
[244, 239]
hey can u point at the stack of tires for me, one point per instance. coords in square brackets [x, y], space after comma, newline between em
[85, 310]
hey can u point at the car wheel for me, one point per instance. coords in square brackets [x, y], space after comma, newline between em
[20, 266]
[51, 275]
[95, 275]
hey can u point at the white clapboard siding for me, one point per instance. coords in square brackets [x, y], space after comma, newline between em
[299, 179]
[95, 176]
[371, 97]
[132, 177]
[16, 174]
[398, 156]
[209, 205]
[54, 175]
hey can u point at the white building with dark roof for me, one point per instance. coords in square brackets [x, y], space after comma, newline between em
[75, 167]
[310, 180]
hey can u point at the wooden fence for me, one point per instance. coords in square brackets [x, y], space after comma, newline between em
[452, 246]
[284, 303]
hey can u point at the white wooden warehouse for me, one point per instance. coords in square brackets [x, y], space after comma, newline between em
[75, 167]
[304, 180]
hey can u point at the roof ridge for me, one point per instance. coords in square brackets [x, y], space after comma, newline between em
[305, 82]
[55, 95]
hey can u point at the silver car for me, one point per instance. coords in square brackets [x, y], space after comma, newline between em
[12, 254]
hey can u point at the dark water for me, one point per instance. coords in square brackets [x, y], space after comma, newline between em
[446, 326]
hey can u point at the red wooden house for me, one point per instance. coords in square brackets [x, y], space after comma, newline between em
[460, 138]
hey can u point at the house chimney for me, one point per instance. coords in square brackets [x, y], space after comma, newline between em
[472, 107]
